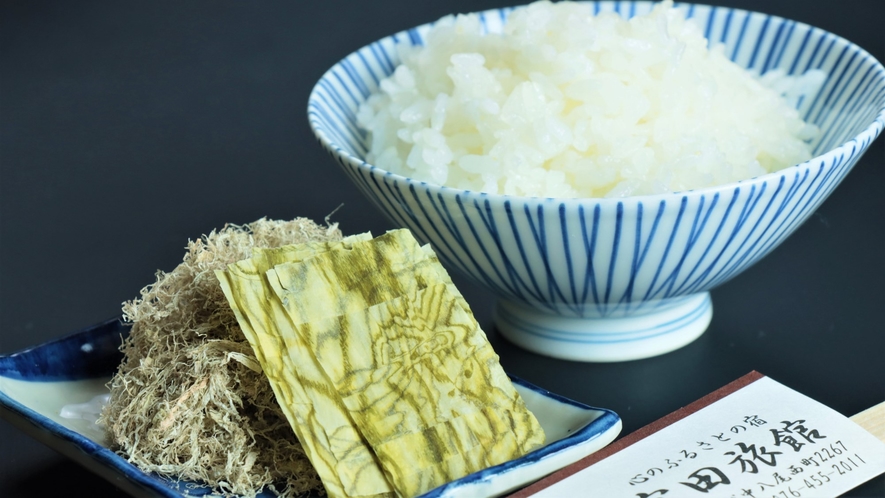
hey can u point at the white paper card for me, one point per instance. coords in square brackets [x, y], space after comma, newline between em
[762, 441]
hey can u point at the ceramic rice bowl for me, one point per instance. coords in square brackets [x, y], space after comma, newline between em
[619, 279]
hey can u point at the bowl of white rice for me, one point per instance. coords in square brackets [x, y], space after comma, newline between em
[600, 166]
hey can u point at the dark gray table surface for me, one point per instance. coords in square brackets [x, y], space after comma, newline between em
[128, 128]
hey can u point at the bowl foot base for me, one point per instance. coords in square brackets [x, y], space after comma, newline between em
[671, 324]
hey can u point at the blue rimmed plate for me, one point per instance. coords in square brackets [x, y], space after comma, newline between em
[36, 383]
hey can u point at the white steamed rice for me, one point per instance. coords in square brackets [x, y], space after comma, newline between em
[565, 104]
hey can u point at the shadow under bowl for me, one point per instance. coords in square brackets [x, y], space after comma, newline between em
[619, 279]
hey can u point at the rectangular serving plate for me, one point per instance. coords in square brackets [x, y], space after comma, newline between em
[37, 382]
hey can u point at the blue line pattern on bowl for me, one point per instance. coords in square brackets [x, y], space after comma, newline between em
[613, 257]
[615, 337]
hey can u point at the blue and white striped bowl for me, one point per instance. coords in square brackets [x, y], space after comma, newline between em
[619, 279]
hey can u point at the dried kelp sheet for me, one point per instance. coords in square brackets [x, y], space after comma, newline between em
[379, 364]
[346, 465]
[424, 387]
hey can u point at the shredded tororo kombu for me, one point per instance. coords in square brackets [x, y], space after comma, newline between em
[190, 400]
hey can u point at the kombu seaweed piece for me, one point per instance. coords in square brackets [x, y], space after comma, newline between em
[424, 387]
[347, 467]
[335, 283]
[378, 359]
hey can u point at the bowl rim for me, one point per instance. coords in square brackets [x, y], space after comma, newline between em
[854, 145]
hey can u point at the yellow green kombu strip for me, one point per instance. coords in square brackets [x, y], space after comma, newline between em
[374, 356]
[347, 467]
[367, 273]
[425, 388]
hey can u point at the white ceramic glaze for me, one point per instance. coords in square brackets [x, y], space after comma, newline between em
[669, 325]
[581, 267]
